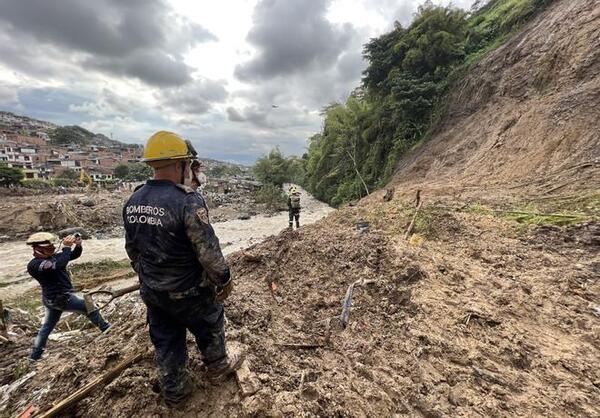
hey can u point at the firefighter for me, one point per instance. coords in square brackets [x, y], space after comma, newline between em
[184, 277]
[294, 206]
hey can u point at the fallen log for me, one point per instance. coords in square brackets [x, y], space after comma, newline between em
[87, 389]
[3, 322]
[347, 302]
[6, 390]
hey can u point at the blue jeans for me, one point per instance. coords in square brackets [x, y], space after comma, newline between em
[71, 303]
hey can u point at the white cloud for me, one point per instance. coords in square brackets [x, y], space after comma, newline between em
[131, 68]
[8, 94]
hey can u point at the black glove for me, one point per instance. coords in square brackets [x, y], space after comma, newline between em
[224, 291]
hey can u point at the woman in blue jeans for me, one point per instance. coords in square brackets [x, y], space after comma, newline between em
[49, 268]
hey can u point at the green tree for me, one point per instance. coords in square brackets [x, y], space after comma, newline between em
[121, 171]
[138, 172]
[10, 175]
[273, 168]
[69, 175]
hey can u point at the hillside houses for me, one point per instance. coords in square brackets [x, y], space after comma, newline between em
[39, 159]
[25, 143]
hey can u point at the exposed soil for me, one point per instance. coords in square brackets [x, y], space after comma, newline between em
[525, 118]
[484, 318]
[474, 315]
[234, 234]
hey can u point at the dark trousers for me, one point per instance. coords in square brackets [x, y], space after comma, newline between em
[54, 310]
[294, 214]
[169, 320]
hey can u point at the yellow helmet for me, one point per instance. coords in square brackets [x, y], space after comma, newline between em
[42, 239]
[164, 146]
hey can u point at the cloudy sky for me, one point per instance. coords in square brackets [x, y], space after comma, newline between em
[209, 70]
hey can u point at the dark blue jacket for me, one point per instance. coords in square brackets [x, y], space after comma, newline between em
[52, 272]
[169, 238]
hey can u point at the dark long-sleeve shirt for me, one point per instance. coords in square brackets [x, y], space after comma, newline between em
[52, 272]
[169, 238]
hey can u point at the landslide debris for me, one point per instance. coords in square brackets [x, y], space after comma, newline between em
[524, 118]
[484, 317]
[98, 214]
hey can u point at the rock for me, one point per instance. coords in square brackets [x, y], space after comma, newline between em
[457, 398]
[244, 216]
[75, 230]
[87, 201]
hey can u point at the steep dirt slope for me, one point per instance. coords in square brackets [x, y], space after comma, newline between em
[526, 116]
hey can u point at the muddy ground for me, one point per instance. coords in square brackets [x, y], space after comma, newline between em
[99, 212]
[234, 234]
[475, 315]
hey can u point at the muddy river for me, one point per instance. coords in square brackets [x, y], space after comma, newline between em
[233, 235]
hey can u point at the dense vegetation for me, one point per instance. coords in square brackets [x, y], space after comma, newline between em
[133, 172]
[65, 135]
[273, 170]
[276, 169]
[410, 70]
[10, 176]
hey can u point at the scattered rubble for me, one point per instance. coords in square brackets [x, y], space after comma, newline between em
[455, 326]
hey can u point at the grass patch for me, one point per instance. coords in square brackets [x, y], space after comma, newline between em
[90, 274]
[101, 267]
[393, 218]
[562, 213]
[30, 301]
[536, 219]
[21, 368]
[587, 204]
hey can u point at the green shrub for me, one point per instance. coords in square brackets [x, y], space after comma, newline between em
[275, 168]
[10, 175]
[64, 182]
[38, 184]
[272, 196]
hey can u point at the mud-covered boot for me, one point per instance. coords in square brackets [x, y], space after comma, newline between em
[220, 370]
[297, 224]
[177, 396]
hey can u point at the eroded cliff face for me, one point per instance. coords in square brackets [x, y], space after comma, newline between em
[526, 117]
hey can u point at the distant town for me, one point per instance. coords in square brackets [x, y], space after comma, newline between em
[26, 143]
[44, 151]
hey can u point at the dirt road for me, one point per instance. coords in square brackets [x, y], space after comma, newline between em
[234, 235]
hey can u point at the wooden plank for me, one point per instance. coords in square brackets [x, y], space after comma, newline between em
[87, 389]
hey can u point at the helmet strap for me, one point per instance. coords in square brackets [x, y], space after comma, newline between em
[187, 175]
